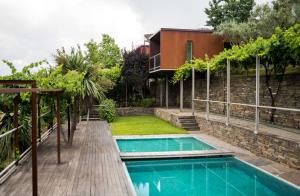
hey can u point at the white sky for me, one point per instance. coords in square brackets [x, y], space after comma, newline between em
[31, 30]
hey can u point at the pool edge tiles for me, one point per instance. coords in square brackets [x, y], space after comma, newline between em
[199, 148]
[166, 176]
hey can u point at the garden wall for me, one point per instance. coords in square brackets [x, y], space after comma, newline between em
[271, 146]
[134, 111]
[242, 91]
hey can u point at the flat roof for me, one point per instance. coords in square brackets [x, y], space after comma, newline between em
[200, 30]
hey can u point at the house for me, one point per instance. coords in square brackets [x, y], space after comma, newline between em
[169, 49]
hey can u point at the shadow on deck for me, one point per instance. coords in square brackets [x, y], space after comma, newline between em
[92, 166]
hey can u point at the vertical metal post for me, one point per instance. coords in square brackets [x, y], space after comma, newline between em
[257, 95]
[181, 95]
[193, 90]
[16, 123]
[167, 91]
[39, 117]
[207, 91]
[58, 126]
[160, 92]
[228, 93]
[34, 142]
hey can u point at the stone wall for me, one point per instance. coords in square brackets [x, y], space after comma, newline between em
[274, 147]
[167, 116]
[271, 146]
[242, 91]
[134, 111]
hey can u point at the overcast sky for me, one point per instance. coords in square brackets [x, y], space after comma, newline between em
[31, 30]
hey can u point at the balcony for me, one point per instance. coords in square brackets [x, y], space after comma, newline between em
[154, 62]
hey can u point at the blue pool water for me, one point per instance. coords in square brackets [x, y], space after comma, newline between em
[162, 144]
[203, 176]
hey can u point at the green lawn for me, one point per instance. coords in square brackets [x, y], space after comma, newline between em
[143, 125]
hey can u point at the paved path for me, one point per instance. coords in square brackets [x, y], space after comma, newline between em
[92, 166]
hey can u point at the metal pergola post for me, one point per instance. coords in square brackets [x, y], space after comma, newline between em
[39, 117]
[16, 123]
[58, 126]
[33, 141]
[228, 93]
[193, 89]
[181, 95]
[207, 91]
[34, 95]
[257, 95]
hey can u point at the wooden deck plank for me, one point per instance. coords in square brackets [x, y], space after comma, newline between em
[92, 166]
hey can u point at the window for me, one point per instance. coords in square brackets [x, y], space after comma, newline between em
[189, 49]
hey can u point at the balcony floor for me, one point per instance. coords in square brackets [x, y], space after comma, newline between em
[92, 166]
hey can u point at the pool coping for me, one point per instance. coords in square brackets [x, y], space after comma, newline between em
[129, 179]
[216, 152]
[268, 173]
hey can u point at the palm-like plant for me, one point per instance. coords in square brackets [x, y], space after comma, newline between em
[91, 87]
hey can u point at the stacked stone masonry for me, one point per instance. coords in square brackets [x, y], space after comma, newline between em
[271, 146]
[242, 91]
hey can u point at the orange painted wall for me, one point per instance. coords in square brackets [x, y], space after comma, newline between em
[173, 46]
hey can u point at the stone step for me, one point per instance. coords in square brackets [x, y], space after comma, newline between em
[193, 129]
[186, 117]
[189, 123]
[190, 127]
[188, 120]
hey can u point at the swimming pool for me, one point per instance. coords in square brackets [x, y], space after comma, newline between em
[204, 176]
[165, 144]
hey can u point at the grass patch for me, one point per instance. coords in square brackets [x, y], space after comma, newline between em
[143, 125]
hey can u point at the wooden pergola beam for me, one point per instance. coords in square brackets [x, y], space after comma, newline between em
[34, 92]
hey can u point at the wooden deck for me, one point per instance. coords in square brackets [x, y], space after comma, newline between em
[92, 166]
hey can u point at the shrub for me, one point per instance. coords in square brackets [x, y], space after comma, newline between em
[107, 110]
[147, 102]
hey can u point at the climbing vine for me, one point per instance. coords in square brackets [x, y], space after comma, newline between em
[281, 50]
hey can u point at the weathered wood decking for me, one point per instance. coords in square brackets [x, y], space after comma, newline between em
[92, 166]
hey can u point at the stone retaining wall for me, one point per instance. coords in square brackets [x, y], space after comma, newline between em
[271, 146]
[167, 116]
[242, 91]
[263, 144]
[134, 111]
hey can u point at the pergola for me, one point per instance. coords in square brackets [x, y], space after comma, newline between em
[228, 102]
[34, 107]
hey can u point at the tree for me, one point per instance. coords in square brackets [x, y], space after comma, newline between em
[220, 11]
[134, 74]
[262, 22]
[105, 54]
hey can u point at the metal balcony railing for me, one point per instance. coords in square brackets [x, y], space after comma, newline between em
[154, 62]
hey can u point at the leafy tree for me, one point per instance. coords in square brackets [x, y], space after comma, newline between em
[135, 73]
[262, 21]
[220, 11]
[110, 53]
[106, 54]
